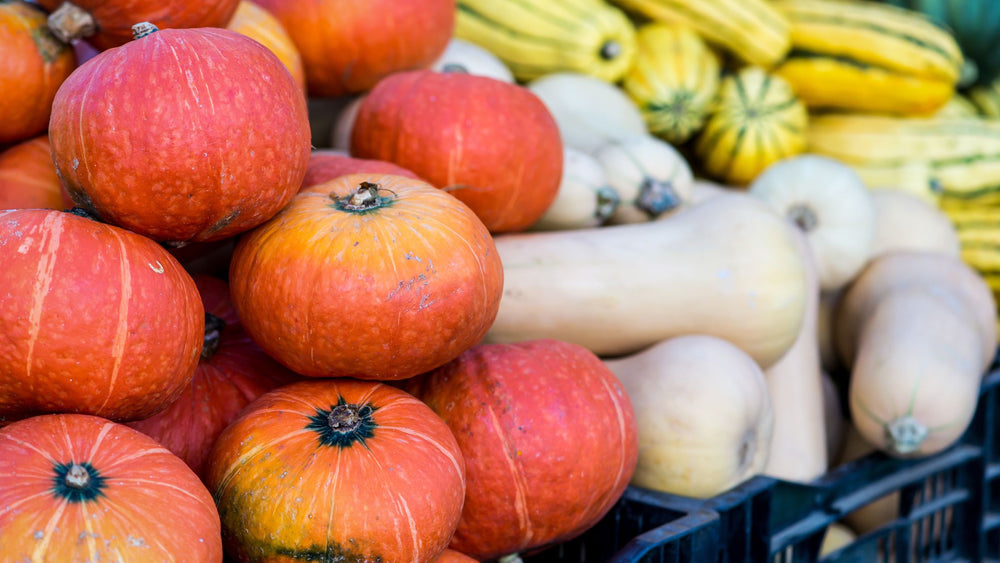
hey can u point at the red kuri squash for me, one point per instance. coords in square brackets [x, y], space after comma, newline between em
[232, 372]
[28, 178]
[368, 276]
[325, 165]
[549, 438]
[33, 64]
[348, 46]
[76, 487]
[95, 319]
[361, 471]
[260, 25]
[182, 134]
[108, 23]
[492, 144]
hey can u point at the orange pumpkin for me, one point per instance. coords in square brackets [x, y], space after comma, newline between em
[108, 23]
[95, 319]
[82, 488]
[28, 178]
[368, 276]
[325, 165]
[232, 372]
[492, 144]
[452, 556]
[348, 46]
[197, 134]
[337, 470]
[549, 438]
[33, 64]
[260, 25]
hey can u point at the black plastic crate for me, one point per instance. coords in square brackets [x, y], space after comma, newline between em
[948, 510]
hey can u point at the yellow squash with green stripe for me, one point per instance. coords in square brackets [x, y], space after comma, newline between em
[536, 38]
[954, 160]
[979, 234]
[868, 56]
[756, 121]
[673, 80]
[751, 30]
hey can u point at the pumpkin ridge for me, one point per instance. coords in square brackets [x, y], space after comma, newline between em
[53, 229]
[121, 331]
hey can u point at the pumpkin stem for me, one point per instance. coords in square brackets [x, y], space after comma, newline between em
[657, 197]
[366, 196]
[77, 477]
[345, 418]
[608, 201]
[803, 217]
[69, 22]
[143, 29]
[905, 434]
[213, 335]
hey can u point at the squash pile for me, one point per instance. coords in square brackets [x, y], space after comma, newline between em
[437, 280]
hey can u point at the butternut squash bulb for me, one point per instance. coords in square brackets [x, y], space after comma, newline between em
[703, 413]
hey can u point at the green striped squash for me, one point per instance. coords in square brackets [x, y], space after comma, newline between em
[673, 80]
[756, 121]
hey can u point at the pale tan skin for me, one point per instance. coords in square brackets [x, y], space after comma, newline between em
[620, 288]
[645, 170]
[904, 221]
[703, 412]
[585, 198]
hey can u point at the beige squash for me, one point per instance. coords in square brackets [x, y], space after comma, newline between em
[703, 415]
[904, 221]
[837, 535]
[918, 330]
[585, 197]
[702, 189]
[649, 174]
[589, 111]
[831, 204]
[726, 267]
[798, 449]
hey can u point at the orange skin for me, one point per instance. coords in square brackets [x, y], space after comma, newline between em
[284, 495]
[348, 46]
[452, 556]
[382, 294]
[198, 135]
[549, 438]
[98, 320]
[232, 376]
[33, 64]
[491, 144]
[152, 507]
[114, 18]
[325, 165]
[258, 24]
[28, 178]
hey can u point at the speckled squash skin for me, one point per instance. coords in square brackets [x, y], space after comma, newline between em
[382, 293]
[113, 19]
[549, 438]
[95, 319]
[492, 144]
[33, 64]
[260, 25]
[325, 165]
[348, 46]
[127, 499]
[182, 135]
[232, 372]
[28, 178]
[361, 471]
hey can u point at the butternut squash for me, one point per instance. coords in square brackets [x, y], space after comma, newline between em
[918, 330]
[795, 382]
[649, 174]
[837, 535]
[904, 221]
[703, 414]
[585, 197]
[726, 267]
[831, 204]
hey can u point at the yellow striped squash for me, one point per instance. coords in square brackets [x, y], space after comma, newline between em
[867, 56]
[673, 80]
[756, 121]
